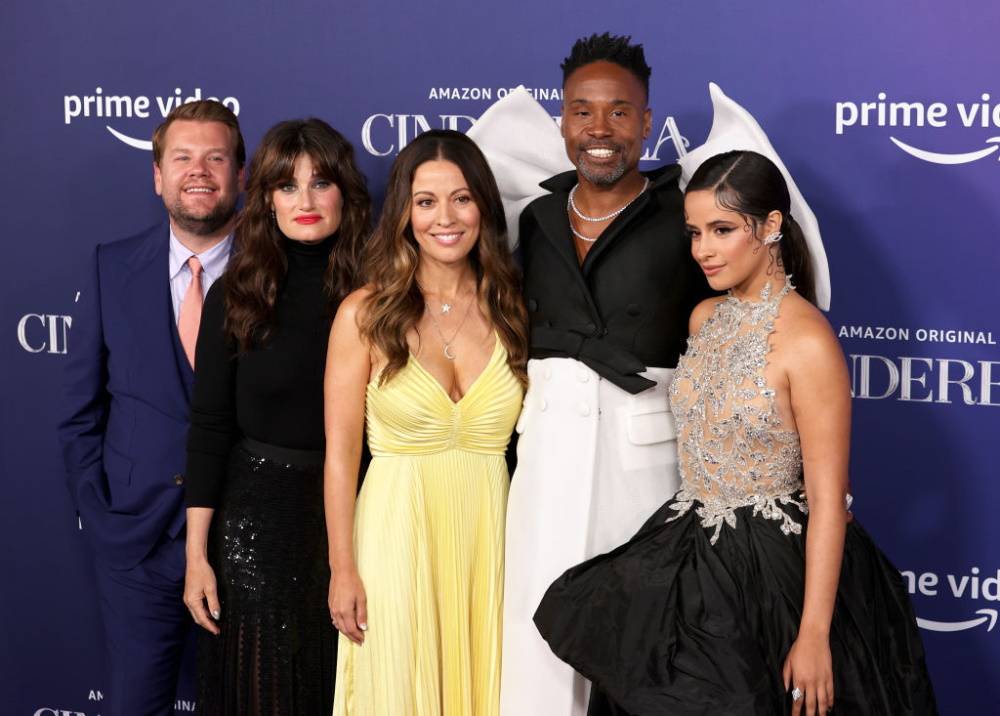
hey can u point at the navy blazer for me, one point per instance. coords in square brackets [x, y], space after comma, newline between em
[127, 394]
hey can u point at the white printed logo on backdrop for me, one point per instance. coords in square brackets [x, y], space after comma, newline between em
[385, 134]
[877, 374]
[981, 114]
[44, 332]
[974, 585]
[116, 110]
[96, 696]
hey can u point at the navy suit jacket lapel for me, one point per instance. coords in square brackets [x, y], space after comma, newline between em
[154, 351]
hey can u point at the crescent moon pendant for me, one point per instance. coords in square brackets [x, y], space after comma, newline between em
[447, 352]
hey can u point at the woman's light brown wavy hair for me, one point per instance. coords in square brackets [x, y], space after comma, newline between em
[259, 265]
[393, 255]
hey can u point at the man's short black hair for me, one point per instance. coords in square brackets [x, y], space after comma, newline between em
[608, 48]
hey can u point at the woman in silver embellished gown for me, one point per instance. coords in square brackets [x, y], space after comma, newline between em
[750, 591]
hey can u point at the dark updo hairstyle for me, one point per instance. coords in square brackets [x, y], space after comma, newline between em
[258, 265]
[751, 185]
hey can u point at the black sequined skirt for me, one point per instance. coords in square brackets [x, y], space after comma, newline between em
[277, 652]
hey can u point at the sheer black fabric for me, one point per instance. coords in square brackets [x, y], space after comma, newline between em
[277, 654]
[669, 623]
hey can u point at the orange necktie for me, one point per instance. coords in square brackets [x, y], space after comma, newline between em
[190, 318]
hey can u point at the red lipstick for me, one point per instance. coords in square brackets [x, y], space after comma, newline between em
[308, 219]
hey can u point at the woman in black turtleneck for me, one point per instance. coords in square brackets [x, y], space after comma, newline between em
[257, 570]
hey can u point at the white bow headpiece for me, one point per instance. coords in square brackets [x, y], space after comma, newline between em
[523, 147]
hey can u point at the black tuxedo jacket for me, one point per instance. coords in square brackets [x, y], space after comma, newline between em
[627, 307]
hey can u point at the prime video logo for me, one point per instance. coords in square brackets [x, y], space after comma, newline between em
[973, 585]
[106, 106]
[983, 114]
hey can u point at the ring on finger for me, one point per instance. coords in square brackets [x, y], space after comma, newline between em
[796, 693]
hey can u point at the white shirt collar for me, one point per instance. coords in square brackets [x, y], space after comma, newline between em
[213, 261]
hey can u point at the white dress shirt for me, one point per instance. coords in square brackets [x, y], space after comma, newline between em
[213, 263]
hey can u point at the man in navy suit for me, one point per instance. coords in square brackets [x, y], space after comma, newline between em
[128, 383]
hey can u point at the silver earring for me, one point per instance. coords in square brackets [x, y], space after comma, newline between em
[772, 238]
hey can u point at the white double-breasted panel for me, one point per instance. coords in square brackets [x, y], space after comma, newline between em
[593, 463]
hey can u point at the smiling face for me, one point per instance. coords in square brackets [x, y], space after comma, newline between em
[724, 243]
[604, 121]
[198, 176]
[443, 215]
[307, 207]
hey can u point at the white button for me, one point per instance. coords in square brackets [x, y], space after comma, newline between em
[544, 406]
[547, 373]
[584, 409]
[583, 375]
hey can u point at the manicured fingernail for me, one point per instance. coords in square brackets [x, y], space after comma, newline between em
[363, 626]
[216, 614]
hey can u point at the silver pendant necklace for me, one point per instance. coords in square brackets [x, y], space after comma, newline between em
[437, 327]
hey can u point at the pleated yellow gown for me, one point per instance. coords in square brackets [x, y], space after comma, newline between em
[429, 544]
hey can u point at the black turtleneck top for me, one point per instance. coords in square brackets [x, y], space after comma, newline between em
[272, 393]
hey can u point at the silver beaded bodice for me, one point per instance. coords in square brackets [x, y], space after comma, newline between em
[732, 449]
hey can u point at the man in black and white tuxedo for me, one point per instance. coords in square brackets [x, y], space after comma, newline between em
[609, 284]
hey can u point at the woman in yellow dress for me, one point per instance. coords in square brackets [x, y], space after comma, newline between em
[431, 353]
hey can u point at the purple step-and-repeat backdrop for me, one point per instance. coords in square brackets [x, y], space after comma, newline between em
[887, 114]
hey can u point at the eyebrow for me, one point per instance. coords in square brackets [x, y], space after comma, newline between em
[614, 102]
[428, 191]
[714, 222]
[175, 150]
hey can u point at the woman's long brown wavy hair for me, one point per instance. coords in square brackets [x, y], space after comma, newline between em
[259, 265]
[392, 257]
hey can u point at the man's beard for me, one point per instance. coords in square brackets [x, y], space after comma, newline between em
[605, 175]
[205, 225]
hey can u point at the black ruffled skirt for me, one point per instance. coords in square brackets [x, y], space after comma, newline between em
[669, 623]
[277, 653]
